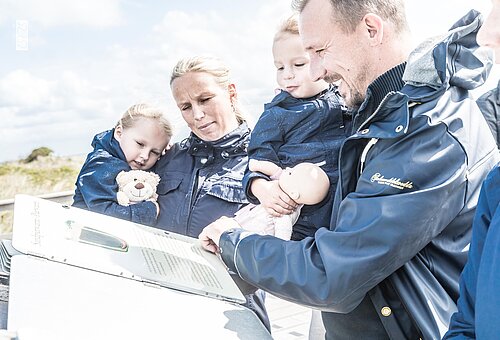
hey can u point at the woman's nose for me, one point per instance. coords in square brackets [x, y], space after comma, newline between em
[198, 113]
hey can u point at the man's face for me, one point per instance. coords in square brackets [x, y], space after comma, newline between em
[489, 33]
[335, 55]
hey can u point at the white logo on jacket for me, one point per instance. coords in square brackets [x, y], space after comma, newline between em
[392, 182]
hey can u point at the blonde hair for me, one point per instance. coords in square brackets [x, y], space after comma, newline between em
[213, 66]
[289, 26]
[140, 111]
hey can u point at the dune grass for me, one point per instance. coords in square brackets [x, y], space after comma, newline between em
[45, 175]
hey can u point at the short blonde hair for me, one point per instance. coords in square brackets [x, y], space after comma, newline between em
[213, 66]
[139, 111]
[289, 26]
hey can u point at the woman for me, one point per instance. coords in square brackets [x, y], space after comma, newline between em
[201, 176]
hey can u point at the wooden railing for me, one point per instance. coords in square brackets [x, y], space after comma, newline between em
[59, 197]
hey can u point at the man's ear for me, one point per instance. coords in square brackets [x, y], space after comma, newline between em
[374, 26]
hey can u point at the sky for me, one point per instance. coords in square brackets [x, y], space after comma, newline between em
[69, 69]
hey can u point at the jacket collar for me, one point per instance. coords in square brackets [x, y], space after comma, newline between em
[234, 144]
[390, 81]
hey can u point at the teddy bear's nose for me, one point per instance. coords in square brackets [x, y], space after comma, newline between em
[139, 186]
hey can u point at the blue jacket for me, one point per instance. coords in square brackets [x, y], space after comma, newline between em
[409, 180]
[479, 302]
[96, 185]
[201, 181]
[292, 131]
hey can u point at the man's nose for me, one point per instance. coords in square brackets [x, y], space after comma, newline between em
[316, 68]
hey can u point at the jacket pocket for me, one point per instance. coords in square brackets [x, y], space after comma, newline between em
[228, 190]
[168, 184]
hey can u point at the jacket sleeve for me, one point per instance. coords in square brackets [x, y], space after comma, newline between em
[462, 324]
[97, 183]
[379, 226]
[267, 137]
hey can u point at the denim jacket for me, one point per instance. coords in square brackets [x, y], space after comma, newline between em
[292, 131]
[96, 185]
[201, 181]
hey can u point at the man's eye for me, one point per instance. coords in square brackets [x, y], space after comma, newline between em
[203, 100]
[320, 52]
[140, 143]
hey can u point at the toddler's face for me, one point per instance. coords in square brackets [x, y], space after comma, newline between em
[292, 67]
[142, 143]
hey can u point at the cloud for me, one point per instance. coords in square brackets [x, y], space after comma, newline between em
[54, 13]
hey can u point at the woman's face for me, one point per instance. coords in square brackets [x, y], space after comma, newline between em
[205, 105]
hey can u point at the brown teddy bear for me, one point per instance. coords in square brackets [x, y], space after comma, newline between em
[136, 186]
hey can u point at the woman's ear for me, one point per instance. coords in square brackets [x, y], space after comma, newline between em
[232, 91]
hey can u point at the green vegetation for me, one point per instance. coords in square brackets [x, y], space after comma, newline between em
[39, 152]
[43, 175]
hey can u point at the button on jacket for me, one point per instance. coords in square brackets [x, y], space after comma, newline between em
[408, 186]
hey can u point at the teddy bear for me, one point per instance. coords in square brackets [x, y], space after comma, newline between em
[136, 186]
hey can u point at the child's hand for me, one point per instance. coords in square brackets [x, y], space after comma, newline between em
[274, 200]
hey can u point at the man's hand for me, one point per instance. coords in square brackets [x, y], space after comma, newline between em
[272, 198]
[210, 235]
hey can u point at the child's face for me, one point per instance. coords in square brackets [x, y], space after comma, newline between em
[292, 67]
[142, 143]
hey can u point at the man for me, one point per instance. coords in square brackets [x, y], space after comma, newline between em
[409, 178]
[479, 302]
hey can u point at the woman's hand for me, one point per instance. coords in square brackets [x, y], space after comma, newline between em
[274, 200]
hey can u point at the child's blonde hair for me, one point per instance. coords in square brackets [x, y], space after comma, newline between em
[288, 26]
[138, 111]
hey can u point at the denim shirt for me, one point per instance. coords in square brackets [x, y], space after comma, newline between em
[201, 181]
[293, 131]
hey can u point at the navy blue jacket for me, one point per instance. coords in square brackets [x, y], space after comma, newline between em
[409, 181]
[96, 185]
[291, 131]
[479, 302]
[201, 181]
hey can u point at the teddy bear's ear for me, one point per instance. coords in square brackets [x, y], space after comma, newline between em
[155, 178]
[120, 178]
